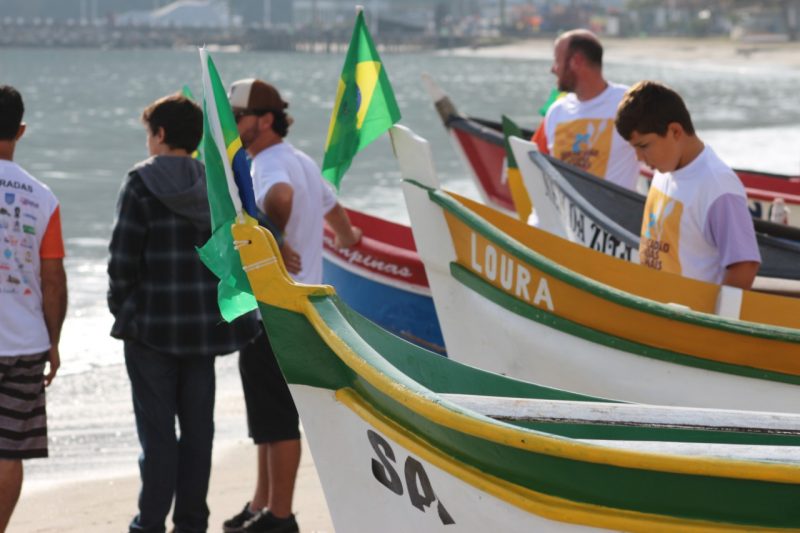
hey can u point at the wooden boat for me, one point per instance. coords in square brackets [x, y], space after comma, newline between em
[480, 142]
[407, 441]
[520, 301]
[606, 217]
[383, 278]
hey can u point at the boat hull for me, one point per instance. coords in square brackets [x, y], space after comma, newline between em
[377, 478]
[398, 450]
[504, 314]
[383, 278]
[407, 312]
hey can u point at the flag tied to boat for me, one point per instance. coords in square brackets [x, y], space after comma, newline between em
[365, 106]
[230, 194]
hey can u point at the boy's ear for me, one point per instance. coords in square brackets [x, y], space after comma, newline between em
[20, 131]
[675, 129]
[160, 134]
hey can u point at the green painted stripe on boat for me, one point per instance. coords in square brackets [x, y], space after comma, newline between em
[530, 312]
[305, 359]
[617, 296]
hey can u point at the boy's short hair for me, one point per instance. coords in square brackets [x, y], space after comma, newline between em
[650, 107]
[181, 119]
[11, 111]
[590, 48]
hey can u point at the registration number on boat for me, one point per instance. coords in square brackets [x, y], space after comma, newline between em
[415, 480]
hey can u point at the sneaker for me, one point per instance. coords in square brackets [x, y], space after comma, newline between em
[266, 522]
[236, 524]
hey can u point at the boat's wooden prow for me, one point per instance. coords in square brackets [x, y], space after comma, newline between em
[271, 282]
[443, 104]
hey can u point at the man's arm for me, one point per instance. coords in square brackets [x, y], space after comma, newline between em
[278, 204]
[346, 234]
[278, 207]
[54, 306]
[741, 274]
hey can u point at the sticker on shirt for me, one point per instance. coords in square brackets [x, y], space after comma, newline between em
[661, 232]
[585, 143]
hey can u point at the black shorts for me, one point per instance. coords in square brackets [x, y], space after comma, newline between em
[23, 424]
[271, 414]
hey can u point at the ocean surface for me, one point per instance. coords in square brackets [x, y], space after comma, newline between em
[84, 133]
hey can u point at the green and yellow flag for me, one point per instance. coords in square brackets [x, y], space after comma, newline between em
[519, 194]
[365, 105]
[230, 194]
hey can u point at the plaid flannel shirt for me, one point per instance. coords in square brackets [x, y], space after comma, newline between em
[160, 293]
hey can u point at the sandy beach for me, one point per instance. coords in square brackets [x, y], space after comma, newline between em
[720, 52]
[90, 482]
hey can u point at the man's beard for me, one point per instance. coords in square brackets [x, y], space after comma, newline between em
[566, 83]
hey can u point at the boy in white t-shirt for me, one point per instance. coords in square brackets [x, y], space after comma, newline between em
[696, 222]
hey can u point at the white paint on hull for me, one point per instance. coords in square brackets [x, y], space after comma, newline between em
[360, 503]
[483, 334]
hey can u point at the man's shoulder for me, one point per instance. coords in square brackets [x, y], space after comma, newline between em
[15, 178]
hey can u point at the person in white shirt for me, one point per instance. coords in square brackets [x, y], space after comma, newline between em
[579, 127]
[696, 222]
[289, 188]
[33, 304]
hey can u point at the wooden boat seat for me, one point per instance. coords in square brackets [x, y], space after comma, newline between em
[628, 414]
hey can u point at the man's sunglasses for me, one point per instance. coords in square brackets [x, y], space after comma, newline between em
[239, 115]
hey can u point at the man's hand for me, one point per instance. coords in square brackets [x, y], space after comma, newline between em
[54, 359]
[348, 239]
[290, 258]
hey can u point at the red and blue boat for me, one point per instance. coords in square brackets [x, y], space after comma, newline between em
[383, 279]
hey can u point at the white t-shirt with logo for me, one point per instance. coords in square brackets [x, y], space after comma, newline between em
[30, 230]
[311, 201]
[696, 222]
[582, 133]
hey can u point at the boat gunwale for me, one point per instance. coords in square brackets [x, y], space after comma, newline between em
[449, 202]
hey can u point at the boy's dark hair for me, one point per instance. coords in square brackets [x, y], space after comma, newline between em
[181, 119]
[11, 111]
[590, 48]
[650, 107]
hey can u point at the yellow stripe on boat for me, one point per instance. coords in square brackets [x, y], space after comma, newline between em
[544, 505]
[525, 282]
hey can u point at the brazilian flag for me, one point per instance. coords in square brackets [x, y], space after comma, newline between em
[365, 105]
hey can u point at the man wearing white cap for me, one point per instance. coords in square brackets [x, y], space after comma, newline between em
[290, 189]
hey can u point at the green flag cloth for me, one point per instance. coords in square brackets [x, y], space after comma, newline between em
[365, 105]
[555, 94]
[230, 194]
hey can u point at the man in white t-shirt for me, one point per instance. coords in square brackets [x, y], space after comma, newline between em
[696, 221]
[290, 189]
[579, 127]
[33, 304]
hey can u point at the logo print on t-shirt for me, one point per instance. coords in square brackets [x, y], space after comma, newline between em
[661, 232]
[585, 143]
[9, 198]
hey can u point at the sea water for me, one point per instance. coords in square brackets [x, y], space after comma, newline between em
[83, 111]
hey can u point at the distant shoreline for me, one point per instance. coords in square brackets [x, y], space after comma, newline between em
[657, 50]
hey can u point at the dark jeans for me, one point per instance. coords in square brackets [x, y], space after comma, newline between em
[164, 387]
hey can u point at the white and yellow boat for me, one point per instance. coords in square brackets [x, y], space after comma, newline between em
[519, 301]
